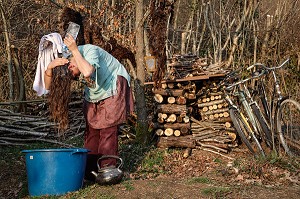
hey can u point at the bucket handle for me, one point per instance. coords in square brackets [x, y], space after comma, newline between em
[110, 156]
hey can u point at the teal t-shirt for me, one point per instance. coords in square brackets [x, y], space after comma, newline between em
[103, 82]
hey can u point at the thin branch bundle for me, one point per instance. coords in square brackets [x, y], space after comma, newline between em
[21, 128]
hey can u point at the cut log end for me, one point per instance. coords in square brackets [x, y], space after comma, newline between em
[168, 132]
[171, 100]
[158, 98]
[159, 132]
[177, 133]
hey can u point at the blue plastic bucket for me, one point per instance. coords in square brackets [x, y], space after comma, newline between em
[55, 171]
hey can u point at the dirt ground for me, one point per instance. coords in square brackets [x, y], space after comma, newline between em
[202, 175]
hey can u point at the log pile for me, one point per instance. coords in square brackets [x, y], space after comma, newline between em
[34, 125]
[17, 129]
[214, 129]
[172, 112]
[24, 128]
[182, 66]
[193, 114]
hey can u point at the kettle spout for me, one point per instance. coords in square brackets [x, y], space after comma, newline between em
[94, 173]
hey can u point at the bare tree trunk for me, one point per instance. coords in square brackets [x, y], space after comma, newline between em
[183, 42]
[255, 41]
[112, 9]
[211, 28]
[168, 53]
[248, 11]
[186, 35]
[142, 126]
[202, 30]
[8, 51]
[175, 24]
[195, 35]
[267, 37]
[146, 42]
[21, 84]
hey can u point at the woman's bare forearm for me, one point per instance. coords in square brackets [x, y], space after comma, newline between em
[83, 66]
[47, 78]
[48, 73]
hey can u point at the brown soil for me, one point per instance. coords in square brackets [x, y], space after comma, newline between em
[201, 175]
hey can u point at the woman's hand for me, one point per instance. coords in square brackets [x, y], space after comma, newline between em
[81, 64]
[70, 42]
[48, 73]
[57, 62]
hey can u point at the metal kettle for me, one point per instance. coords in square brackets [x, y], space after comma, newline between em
[109, 175]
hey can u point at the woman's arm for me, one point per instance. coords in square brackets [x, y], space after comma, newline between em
[83, 66]
[48, 73]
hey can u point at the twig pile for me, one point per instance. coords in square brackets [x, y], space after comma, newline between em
[213, 135]
[182, 66]
[21, 129]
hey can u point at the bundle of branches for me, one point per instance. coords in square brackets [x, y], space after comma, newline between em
[213, 135]
[22, 129]
[181, 66]
[36, 125]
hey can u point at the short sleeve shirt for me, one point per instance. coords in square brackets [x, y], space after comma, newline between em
[104, 78]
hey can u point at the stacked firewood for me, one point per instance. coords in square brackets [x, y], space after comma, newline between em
[176, 113]
[193, 113]
[182, 66]
[210, 102]
[214, 128]
[172, 111]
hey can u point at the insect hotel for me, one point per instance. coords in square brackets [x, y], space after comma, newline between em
[190, 111]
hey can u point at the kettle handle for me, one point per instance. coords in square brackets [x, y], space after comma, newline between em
[110, 156]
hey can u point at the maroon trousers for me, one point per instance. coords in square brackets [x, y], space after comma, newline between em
[102, 120]
[100, 142]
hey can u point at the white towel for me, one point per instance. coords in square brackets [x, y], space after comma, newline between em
[46, 55]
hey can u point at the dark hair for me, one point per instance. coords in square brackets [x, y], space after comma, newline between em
[59, 96]
[67, 15]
